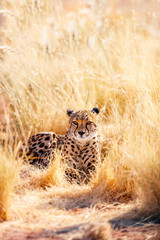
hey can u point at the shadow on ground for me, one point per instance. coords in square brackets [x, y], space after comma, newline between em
[138, 228]
[77, 232]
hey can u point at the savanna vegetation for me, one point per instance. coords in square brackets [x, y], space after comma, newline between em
[56, 55]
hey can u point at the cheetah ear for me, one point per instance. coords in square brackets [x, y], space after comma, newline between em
[70, 112]
[95, 110]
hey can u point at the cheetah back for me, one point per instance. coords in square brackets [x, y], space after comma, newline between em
[41, 148]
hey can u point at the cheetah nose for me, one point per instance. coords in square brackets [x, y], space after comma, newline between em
[81, 133]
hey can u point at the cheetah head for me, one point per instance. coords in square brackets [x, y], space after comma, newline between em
[83, 124]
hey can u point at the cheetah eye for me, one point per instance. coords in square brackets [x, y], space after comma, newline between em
[75, 123]
[88, 123]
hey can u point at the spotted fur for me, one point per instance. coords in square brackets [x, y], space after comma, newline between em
[79, 147]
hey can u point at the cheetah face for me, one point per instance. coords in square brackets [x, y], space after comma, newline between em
[83, 124]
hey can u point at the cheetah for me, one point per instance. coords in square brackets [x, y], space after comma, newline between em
[79, 147]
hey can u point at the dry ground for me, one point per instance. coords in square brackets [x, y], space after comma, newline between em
[73, 213]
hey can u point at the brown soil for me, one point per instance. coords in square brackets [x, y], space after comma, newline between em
[106, 222]
[151, 231]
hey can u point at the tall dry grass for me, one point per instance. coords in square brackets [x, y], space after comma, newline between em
[98, 56]
[9, 170]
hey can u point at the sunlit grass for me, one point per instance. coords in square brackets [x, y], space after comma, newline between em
[9, 170]
[33, 178]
